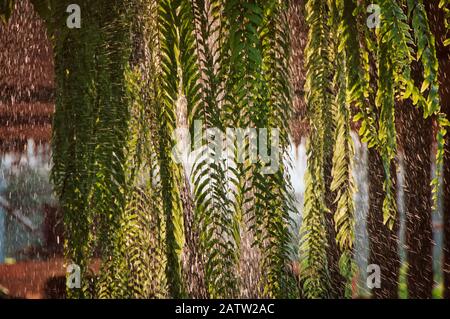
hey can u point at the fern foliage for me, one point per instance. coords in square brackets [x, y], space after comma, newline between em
[313, 249]
[140, 72]
[427, 96]
[215, 214]
[350, 85]
[243, 53]
[445, 5]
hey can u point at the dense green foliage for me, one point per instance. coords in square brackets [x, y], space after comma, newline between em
[373, 90]
[139, 72]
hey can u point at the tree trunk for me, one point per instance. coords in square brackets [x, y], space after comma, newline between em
[446, 194]
[382, 241]
[437, 23]
[415, 135]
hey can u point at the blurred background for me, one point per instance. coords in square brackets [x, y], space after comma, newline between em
[30, 227]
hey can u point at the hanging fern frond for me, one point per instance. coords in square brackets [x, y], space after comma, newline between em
[313, 249]
[394, 60]
[271, 178]
[426, 54]
[74, 139]
[343, 184]
[428, 96]
[349, 79]
[179, 80]
[109, 199]
[445, 5]
[141, 247]
[241, 60]
[219, 237]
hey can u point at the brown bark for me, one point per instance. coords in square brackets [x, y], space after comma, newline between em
[194, 270]
[415, 135]
[446, 194]
[298, 37]
[446, 202]
[437, 23]
[383, 242]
